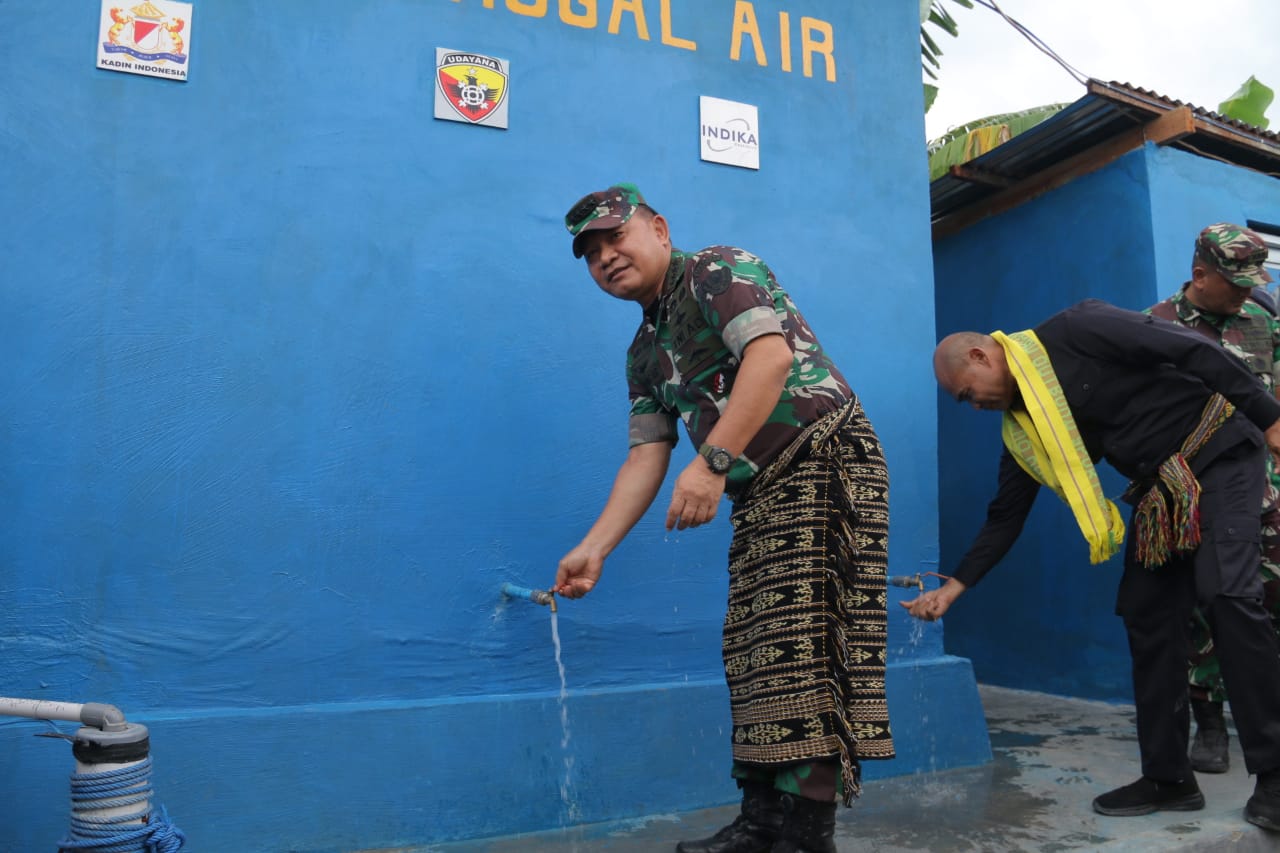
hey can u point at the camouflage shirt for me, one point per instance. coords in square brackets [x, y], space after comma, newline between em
[1252, 335]
[686, 353]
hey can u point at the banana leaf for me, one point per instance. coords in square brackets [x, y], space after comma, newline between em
[973, 139]
[1249, 103]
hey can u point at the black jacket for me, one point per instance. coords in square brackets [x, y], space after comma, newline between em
[1136, 386]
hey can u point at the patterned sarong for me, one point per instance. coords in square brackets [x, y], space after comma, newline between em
[805, 630]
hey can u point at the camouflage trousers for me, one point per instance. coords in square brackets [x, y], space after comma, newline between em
[815, 780]
[1205, 675]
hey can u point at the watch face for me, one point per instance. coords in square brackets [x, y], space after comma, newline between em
[720, 461]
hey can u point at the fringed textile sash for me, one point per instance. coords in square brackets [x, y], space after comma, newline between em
[1166, 515]
[1047, 444]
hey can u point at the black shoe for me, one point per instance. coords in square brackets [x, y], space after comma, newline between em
[1147, 795]
[753, 831]
[808, 826]
[1209, 748]
[1263, 808]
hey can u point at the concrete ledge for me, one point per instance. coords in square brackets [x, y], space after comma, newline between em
[937, 718]
[393, 775]
[1052, 756]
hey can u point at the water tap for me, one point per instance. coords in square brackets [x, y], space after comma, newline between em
[916, 580]
[537, 596]
[907, 581]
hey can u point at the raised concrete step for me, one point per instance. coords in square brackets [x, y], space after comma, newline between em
[1052, 756]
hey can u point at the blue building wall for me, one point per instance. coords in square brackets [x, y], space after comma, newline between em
[296, 376]
[1044, 618]
[1190, 192]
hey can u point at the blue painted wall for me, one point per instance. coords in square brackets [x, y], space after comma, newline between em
[296, 376]
[1190, 192]
[1044, 618]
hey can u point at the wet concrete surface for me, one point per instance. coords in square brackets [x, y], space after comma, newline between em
[1052, 756]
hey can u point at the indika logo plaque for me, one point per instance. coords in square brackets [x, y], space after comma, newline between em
[729, 132]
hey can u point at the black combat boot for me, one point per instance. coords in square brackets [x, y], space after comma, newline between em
[1209, 748]
[1263, 808]
[808, 826]
[753, 831]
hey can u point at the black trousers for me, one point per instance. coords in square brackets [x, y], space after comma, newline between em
[1222, 577]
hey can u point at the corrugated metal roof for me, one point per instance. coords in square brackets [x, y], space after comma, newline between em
[1106, 111]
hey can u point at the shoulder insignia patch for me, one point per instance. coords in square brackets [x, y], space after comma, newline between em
[713, 282]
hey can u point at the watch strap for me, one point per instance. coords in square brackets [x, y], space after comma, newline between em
[708, 451]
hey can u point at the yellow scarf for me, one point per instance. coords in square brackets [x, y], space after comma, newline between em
[1046, 443]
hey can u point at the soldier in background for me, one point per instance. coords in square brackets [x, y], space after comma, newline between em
[1217, 303]
[721, 347]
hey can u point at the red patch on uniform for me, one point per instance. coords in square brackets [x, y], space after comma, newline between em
[718, 383]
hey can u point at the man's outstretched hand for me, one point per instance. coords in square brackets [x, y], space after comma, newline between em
[934, 603]
[578, 572]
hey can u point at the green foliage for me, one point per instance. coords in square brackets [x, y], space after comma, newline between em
[961, 144]
[1248, 104]
[930, 95]
[934, 13]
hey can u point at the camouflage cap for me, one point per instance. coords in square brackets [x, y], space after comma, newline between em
[602, 210]
[1238, 253]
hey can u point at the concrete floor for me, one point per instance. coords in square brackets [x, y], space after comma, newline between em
[1052, 757]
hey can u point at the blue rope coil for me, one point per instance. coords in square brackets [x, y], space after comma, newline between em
[123, 833]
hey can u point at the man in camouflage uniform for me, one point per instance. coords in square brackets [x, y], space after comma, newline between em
[1227, 265]
[722, 347]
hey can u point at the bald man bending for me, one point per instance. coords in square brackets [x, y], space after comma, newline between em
[1189, 426]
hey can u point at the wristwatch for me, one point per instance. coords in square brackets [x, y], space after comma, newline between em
[718, 459]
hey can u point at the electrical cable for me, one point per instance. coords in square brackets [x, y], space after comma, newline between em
[1039, 43]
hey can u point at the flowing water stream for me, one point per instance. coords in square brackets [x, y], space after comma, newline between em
[572, 813]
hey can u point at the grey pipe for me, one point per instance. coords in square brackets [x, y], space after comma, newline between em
[96, 715]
